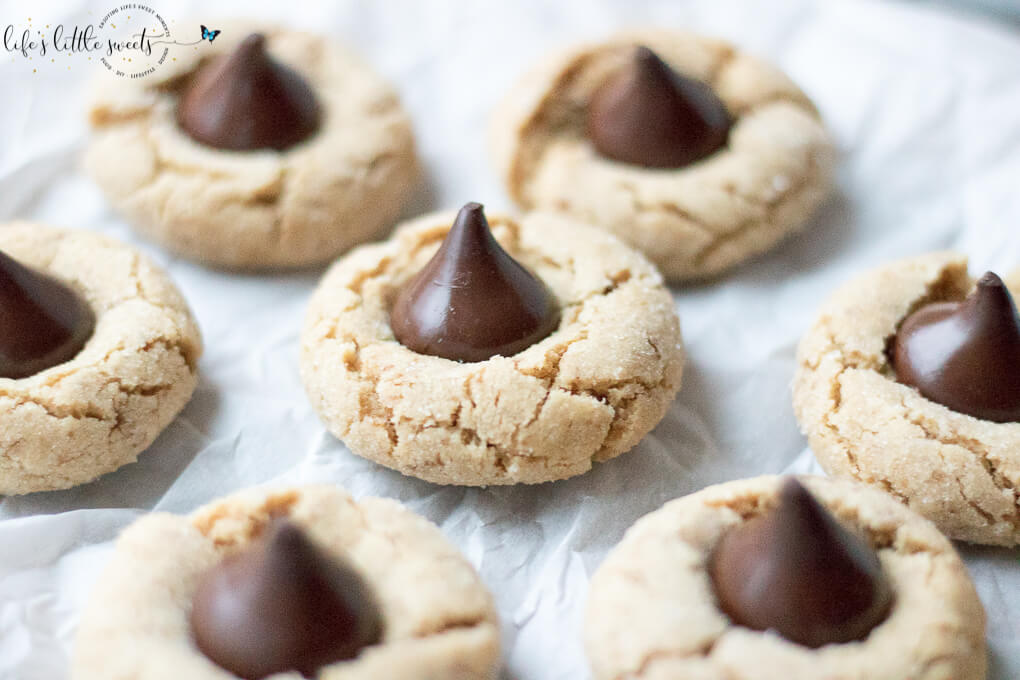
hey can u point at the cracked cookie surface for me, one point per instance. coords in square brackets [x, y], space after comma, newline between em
[695, 221]
[961, 472]
[75, 421]
[344, 185]
[587, 392]
[652, 612]
[438, 619]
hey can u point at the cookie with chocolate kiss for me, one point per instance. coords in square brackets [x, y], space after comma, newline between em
[43, 322]
[483, 372]
[776, 578]
[472, 300]
[247, 100]
[283, 150]
[284, 582]
[282, 605]
[798, 571]
[965, 355]
[648, 114]
[909, 379]
[670, 140]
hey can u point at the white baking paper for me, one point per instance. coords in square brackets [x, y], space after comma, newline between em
[924, 105]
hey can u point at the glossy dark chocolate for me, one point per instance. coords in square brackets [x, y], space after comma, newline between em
[797, 571]
[965, 355]
[43, 322]
[650, 115]
[472, 300]
[283, 604]
[247, 100]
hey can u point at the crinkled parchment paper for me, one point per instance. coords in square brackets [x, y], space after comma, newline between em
[924, 105]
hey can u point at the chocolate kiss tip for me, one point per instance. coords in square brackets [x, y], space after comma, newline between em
[646, 56]
[793, 494]
[473, 215]
[287, 537]
[798, 571]
[282, 605]
[472, 300]
[255, 41]
[647, 114]
[965, 355]
[247, 100]
[990, 279]
[45, 322]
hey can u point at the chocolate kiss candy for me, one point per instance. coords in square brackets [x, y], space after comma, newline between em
[472, 300]
[282, 605]
[247, 100]
[965, 355]
[42, 321]
[797, 571]
[650, 115]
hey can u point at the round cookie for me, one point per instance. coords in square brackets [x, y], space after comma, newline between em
[961, 472]
[587, 392]
[652, 613]
[694, 221]
[88, 416]
[342, 186]
[438, 618]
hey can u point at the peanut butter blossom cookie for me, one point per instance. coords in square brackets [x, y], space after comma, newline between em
[269, 149]
[910, 380]
[292, 583]
[784, 579]
[98, 354]
[689, 150]
[467, 355]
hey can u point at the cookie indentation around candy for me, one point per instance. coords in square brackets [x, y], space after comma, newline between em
[648, 114]
[283, 604]
[965, 355]
[247, 100]
[472, 300]
[43, 322]
[798, 571]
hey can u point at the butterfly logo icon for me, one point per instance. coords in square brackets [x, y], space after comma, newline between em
[209, 35]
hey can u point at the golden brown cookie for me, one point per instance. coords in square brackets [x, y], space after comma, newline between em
[96, 412]
[694, 221]
[959, 471]
[438, 620]
[256, 209]
[587, 392]
[653, 614]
